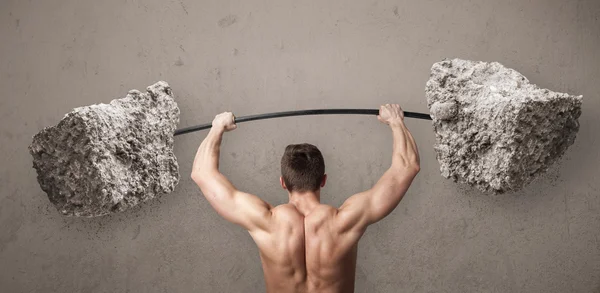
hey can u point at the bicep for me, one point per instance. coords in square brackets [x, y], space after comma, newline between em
[244, 209]
[249, 211]
[352, 215]
[368, 207]
[388, 192]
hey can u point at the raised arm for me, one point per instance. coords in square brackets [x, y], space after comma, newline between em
[368, 207]
[235, 206]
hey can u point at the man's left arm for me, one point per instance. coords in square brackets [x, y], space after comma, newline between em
[246, 210]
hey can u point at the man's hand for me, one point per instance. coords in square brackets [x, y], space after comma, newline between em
[224, 121]
[391, 114]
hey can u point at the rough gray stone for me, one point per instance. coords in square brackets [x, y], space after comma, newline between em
[495, 130]
[109, 157]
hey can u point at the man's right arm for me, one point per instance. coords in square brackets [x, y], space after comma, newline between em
[368, 207]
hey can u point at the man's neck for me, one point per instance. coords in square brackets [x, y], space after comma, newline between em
[305, 202]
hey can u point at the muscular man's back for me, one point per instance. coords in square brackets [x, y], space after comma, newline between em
[306, 246]
[307, 253]
[282, 251]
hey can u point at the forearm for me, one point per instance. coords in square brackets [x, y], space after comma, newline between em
[405, 153]
[207, 156]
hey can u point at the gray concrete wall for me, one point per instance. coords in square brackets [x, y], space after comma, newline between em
[261, 56]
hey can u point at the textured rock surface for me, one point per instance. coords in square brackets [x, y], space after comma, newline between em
[494, 129]
[109, 157]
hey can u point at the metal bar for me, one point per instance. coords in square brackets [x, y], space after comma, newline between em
[300, 113]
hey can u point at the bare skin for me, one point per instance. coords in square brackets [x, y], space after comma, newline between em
[306, 246]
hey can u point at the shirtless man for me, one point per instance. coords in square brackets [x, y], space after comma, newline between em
[306, 246]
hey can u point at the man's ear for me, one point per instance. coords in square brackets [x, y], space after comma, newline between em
[324, 180]
[282, 182]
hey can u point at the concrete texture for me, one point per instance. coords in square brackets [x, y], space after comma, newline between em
[494, 129]
[253, 57]
[107, 158]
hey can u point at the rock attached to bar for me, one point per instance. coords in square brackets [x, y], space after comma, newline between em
[494, 129]
[106, 158]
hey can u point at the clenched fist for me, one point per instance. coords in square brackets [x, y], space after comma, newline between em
[391, 114]
[224, 121]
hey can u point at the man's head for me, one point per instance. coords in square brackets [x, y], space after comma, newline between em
[302, 168]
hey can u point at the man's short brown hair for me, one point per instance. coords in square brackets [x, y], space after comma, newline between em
[302, 167]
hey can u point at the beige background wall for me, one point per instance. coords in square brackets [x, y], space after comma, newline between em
[254, 57]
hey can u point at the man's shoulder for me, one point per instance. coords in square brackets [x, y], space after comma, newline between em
[322, 212]
[285, 207]
[287, 211]
[327, 208]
